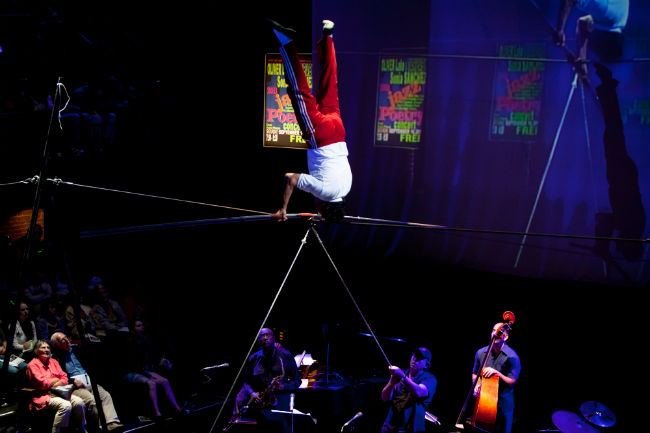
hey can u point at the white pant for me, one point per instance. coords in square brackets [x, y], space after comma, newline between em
[330, 177]
[86, 394]
[64, 408]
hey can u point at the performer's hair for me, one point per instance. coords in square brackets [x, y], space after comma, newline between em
[333, 212]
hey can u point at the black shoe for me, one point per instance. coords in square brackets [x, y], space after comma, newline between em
[115, 427]
[284, 30]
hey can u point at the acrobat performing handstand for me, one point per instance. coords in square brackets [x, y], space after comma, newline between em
[330, 177]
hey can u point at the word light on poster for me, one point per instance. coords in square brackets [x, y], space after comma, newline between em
[517, 93]
[400, 102]
[281, 128]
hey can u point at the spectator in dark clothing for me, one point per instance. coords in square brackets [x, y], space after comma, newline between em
[49, 321]
[141, 365]
[107, 314]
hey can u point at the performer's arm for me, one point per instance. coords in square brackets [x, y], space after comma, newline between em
[290, 182]
[563, 14]
[243, 396]
[397, 375]
[420, 390]
[387, 392]
[293, 374]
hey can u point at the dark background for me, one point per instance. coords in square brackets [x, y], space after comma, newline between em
[195, 134]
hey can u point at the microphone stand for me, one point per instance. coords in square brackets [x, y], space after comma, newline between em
[13, 317]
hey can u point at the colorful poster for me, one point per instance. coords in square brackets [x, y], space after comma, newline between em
[400, 102]
[281, 128]
[517, 93]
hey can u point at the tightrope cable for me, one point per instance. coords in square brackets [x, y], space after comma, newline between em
[58, 181]
[252, 346]
[27, 181]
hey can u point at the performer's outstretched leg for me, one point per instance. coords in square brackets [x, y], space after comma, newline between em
[304, 103]
[328, 92]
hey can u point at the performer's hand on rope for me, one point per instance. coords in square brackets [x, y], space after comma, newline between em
[396, 373]
[280, 215]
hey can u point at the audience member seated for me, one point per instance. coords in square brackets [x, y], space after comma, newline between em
[107, 314]
[141, 365]
[70, 321]
[38, 288]
[134, 304]
[46, 376]
[66, 355]
[49, 321]
[13, 369]
[25, 333]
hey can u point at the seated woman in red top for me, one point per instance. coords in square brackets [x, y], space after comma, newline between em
[45, 374]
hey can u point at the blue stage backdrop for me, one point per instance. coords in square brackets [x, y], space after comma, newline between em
[506, 143]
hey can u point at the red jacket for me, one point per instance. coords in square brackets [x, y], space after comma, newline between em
[40, 375]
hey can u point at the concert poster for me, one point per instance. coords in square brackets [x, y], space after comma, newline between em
[281, 128]
[400, 101]
[517, 93]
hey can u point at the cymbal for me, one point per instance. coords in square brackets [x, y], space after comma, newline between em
[569, 422]
[598, 414]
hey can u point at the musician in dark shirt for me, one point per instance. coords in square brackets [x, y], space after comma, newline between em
[409, 393]
[504, 362]
[270, 375]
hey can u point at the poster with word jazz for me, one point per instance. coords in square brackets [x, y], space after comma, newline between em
[517, 93]
[281, 128]
[400, 102]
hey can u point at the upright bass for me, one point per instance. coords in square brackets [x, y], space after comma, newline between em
[487, 388]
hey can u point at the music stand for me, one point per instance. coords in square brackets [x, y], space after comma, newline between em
[292, 418]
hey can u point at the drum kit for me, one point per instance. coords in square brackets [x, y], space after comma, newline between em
[592, 415]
